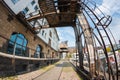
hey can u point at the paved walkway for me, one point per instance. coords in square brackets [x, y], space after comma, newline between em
[34, 74]
[52, 74]
[68, 72]
[61, 71]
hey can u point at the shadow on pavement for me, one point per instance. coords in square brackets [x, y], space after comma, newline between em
[64, 64]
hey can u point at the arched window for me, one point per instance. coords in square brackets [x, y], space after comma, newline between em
[17, 44]
[38, 52]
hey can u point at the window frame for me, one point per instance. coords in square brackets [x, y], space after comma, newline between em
[40, 52]
[25, 10]
[33, 2]
[36, 8]
[43, 32]
[15, 1]
[15, 43]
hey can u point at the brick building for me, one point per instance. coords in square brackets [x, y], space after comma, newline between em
[20, 48]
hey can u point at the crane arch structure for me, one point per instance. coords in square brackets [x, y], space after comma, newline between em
[89, 24]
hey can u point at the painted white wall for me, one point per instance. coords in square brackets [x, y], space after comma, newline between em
[20, 5]
[46, 37]
[54, 39]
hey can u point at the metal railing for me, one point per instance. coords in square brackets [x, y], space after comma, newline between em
[92, 39]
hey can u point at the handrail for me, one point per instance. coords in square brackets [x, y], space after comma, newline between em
[24, 58]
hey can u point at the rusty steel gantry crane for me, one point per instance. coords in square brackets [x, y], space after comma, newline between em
[87, 21]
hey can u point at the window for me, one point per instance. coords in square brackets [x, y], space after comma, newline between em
[14, 1]
[25, 10]
[38, 52]
[17, 44]
[43, 32]
[33, 2]
[36, 8]
[50, 34]
[49, 42]
[53, 54]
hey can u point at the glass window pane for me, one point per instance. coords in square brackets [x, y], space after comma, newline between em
[18, 49]
[14, 1]
[10, 47]
[25, 10]
[13, 37]
[36, 8]
[42, 32]
[19, 41]
[38, 49]
[33, 2]
[21, 36]
[24, 51]
[25, 42]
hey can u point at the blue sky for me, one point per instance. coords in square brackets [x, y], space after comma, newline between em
[112, 8]
[67, 34]
[108, 7]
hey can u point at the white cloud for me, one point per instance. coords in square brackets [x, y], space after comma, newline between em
[110, 7]
[67, 33]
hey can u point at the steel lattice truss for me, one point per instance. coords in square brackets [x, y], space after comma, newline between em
[87, 21]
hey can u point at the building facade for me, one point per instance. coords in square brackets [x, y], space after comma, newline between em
[63, 49]
[20, 49]
[28, 7]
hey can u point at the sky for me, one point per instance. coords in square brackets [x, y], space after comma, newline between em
[108, 7]
[67, 34]
[112, 8]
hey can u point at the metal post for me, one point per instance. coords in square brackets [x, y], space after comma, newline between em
[29, 53]
[13, 59]
[88, 37]
[14, 50]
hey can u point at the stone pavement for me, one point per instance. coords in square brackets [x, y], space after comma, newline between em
[68, 72]
[52, 74]
[34, 74]
[61, 71]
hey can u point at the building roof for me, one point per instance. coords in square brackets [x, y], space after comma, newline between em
[63, 45]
